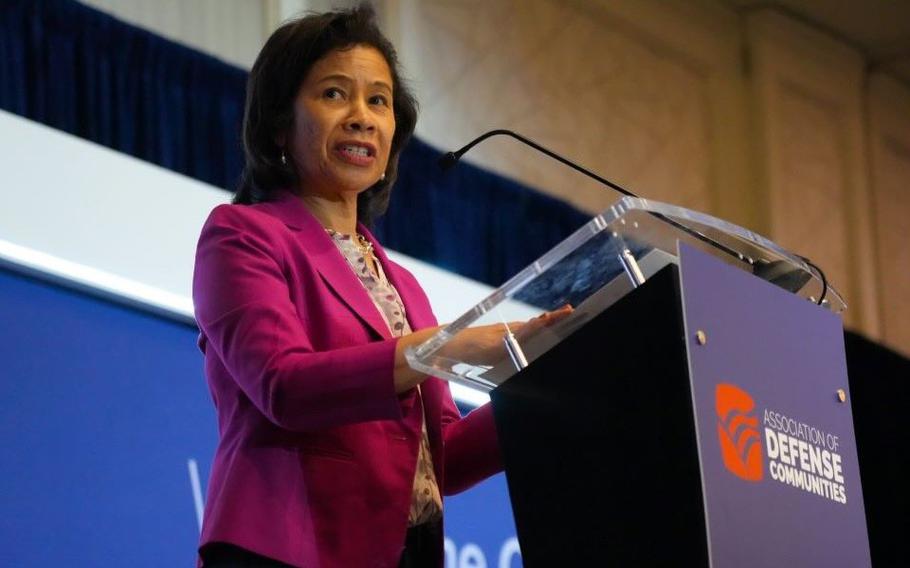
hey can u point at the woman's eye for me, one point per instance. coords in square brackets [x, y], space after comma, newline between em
[379, 100]
[333, 93]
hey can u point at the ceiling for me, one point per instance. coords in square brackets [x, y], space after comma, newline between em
[879, 29]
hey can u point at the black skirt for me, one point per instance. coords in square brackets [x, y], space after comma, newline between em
[421, 550]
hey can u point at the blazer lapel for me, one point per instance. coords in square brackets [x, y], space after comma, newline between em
[328, 260]
[417, 310]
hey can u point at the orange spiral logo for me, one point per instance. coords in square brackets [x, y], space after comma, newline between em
[740, 441]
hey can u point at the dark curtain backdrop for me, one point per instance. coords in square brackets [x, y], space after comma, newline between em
[879, 381]
[79, 70]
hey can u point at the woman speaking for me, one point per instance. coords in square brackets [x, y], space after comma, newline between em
[332, 451]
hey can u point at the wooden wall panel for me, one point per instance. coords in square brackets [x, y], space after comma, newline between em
[599, 84]
[889, 141]
[810, 149]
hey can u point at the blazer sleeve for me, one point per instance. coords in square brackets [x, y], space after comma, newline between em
[243, 307]
[471, 448]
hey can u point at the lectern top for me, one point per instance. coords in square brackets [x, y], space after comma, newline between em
[594, 267]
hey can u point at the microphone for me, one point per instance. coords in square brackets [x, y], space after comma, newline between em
[449, 159]
[777, 272]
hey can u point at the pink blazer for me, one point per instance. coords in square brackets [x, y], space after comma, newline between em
[316, 457]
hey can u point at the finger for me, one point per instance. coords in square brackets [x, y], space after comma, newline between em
[558, 315]
[566, 309]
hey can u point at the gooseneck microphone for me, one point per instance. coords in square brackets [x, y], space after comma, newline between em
[776, 271]
[451, 158]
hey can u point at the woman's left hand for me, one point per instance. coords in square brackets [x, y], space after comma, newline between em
[481, 342]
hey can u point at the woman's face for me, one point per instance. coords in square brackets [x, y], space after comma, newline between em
[343, 123]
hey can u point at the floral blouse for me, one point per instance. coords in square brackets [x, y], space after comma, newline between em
[426, 501]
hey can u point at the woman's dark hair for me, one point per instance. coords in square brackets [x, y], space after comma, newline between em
[280, 69]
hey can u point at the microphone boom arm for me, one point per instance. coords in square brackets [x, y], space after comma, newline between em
[449, 159]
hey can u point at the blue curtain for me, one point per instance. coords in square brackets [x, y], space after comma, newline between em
[84, 72]
[79, 70]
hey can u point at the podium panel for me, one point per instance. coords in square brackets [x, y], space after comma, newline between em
[776, 443]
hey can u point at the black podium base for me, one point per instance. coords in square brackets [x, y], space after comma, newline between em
[599, 443]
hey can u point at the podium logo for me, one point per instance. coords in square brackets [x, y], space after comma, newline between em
[737, 429]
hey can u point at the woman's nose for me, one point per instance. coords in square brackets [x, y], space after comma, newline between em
[359, 119]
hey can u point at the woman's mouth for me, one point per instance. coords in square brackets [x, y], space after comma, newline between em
[358, 154]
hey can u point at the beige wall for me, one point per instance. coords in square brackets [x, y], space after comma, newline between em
[748, 115]
[807, 95]
[889, 183]
[603, 86]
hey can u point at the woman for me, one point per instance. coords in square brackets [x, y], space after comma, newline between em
[332, 451]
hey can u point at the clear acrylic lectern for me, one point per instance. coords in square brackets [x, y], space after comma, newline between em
[600, 263]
